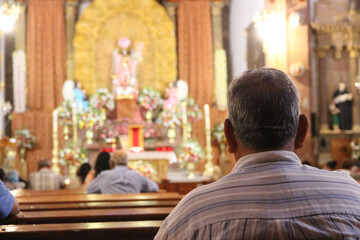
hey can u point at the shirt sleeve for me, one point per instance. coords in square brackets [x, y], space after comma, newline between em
[6, 201]
[148, 185]
[95, 185]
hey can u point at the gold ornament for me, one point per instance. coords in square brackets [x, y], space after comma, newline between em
[104, 22]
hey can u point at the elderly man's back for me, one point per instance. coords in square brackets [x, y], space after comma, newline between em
[262, 199]
[45, 179]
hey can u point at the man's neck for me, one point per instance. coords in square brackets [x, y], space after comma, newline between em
[243, 151]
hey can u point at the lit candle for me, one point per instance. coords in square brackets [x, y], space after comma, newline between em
[209, 168]
[74, 120]
[184, 120]
[55, 121]
[207, 116]
[55, 160]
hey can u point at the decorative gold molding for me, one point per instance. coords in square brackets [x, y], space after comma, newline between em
[143, 21]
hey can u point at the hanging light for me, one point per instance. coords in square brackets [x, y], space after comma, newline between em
[9, 13]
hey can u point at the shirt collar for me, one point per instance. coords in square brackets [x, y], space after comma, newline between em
[254, 159]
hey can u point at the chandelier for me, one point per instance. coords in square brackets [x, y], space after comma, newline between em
[9, 13]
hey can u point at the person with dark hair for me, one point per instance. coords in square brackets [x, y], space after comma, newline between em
[306, 162]
[269, 194]
[83, 171]
[121, 179]
[2, 175]
[346, 165]
[330, 165]
[102, 163]
[45, 178]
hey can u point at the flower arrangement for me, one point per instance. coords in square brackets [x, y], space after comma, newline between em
[149, 131]
[193, 110]
[102, 99]
[89, 120]
[354, 148]
[73, 155]
[218, 133]
[65, 113]
[114, 129]
[144, 168]
[150, 99]
[168, 119]
[24, 139]
[190, 152]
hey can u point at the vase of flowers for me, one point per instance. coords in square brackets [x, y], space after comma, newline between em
[189, 154]
[73, 157]
[149, 100]
[25, 141]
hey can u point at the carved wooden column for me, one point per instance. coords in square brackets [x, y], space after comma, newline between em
[353, 54]
[322, 90]
[70, 9]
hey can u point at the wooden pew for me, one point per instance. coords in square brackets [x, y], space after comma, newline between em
[89, 215]
[98, 205]
[83, 231]
[29, 192]
[98, 198]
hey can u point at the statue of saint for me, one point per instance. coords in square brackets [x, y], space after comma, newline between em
[343, 101]
[125, 61]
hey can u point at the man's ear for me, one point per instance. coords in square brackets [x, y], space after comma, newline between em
[302, 131]
[230, 136]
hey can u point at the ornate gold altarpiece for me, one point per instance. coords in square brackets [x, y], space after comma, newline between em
[104, 22]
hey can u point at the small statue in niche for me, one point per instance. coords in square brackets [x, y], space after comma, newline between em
[343, 101]
[125, 62]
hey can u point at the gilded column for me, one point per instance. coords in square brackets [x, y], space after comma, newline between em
[220, 58]
[20, 27]
[171, 10]
[70, 9]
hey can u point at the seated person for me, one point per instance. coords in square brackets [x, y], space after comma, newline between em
[44, 178]
[269, 194]
[9, 206]
[330, 165]
[83, 171]
[120, 179]
[12, 181]
[102, 163]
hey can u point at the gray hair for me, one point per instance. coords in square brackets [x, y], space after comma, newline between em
[119, 158]
[43, 163]
[263, 107]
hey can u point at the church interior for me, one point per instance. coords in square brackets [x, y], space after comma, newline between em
[150, 77]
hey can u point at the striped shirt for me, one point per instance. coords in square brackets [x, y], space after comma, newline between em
[45, 179]
[6, 201]
[269, 195]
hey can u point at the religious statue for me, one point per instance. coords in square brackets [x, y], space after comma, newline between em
[343, 101]
[80, 97]
[125, 61]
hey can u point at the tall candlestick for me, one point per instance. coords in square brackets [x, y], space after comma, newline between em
[74, 120]
[184, 121]
[55, 152]
[209, 167]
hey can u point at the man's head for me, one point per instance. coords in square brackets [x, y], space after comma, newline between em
[119, 158]
[44, 163]
[264, 112]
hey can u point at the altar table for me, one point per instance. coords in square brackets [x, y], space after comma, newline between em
[159, 160]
